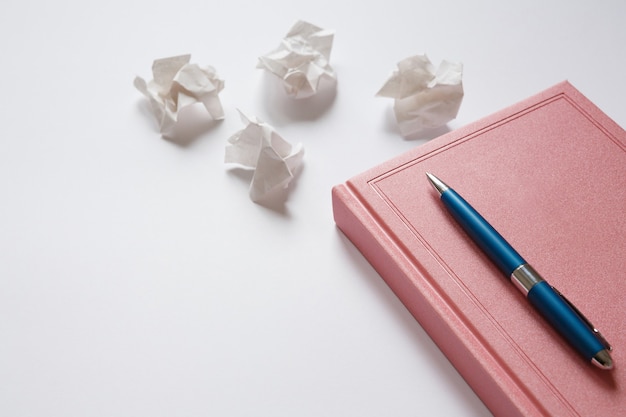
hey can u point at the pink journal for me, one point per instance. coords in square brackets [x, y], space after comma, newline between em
[549, 173]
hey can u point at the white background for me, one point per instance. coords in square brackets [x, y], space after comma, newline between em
[136, 276]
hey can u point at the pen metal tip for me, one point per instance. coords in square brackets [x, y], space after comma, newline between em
[603, 360]
[439, 185]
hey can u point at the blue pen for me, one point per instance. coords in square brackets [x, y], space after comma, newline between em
[550, 303]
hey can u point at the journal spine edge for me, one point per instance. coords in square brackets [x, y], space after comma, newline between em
[353, 219]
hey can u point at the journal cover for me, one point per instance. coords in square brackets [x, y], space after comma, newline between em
[549, 173]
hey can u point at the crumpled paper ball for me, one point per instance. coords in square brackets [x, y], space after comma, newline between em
[177, 84]
[301, 60]
[425, 97]
[273, 159]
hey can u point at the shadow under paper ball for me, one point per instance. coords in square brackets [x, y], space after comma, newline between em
[193, 122]
[283, 108]
[275, 200]
[391, 126]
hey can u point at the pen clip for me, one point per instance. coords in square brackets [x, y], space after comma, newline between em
[595, 331]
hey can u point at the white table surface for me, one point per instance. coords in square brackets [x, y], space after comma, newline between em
[136, 276]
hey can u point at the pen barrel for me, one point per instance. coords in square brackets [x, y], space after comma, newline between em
[482, 233]
[564, 319]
